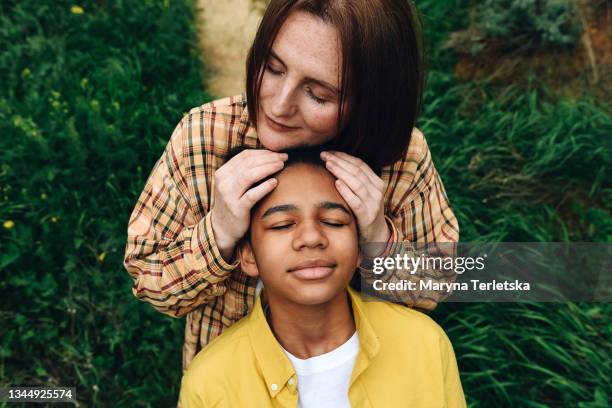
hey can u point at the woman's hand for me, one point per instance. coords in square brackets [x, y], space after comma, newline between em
[364, 192]
[234, 197]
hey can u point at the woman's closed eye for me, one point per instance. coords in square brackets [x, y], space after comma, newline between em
[273, 71]
[314, 97]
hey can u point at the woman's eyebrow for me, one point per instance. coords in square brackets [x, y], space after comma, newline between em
[307, 79]
[329, 205]
[279, 208]
[275, 56]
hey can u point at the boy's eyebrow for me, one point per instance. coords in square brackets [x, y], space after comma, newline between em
[329, 205]
[279, 208]
[324, 84]
[326, 205]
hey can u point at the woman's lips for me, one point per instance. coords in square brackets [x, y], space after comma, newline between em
[279, 127]
[314, 269]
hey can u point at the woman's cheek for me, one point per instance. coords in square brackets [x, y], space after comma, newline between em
[266, 88]
[323, 122]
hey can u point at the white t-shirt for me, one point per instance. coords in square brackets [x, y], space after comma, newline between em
[323, 381]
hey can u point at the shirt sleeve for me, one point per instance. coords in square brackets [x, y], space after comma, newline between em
[174, 261]
[188, 397]
[421, 217]
[453, 391]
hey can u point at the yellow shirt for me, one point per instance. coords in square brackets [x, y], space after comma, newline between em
[405, 360]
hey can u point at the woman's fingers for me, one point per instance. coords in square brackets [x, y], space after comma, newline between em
[248, 177]
[363, 191]
[359, 183]
[353, 165]
[234, 196]
[252, 158]
[350, 197]
[252, 196]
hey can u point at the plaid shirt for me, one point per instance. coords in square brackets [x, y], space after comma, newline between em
[171, 251]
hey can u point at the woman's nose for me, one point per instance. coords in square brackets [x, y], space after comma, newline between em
[310, 235]
[283, 104]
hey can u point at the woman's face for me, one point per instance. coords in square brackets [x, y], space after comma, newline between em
[298, 99]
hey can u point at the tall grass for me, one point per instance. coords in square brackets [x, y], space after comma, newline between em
[519, 164]
[87, 103]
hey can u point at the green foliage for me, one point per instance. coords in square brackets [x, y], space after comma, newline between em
[438, 18]
[519, 166]
[87, 103]
[530, 23]
[531, 355]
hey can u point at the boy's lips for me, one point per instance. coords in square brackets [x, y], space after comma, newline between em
[313, 269]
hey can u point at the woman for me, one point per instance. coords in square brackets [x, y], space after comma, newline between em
[347, 75]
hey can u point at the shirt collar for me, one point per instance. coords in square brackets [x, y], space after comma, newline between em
[368, 339]
[274, 363]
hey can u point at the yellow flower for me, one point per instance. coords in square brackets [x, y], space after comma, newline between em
[8, 224]
[77, 10]
[54, 219]
[102, 256]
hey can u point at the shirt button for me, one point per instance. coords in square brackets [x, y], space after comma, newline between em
[291, 381]
[274, 387]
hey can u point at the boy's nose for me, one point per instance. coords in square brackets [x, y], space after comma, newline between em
[310, 235]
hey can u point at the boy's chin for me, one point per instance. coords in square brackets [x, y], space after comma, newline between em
[311, 295]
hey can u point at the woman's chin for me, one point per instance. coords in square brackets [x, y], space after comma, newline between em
[275, 142]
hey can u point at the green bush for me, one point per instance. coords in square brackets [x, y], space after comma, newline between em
[530, 23]
[89, 96]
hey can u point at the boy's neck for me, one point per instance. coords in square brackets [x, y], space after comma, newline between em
[311, 330]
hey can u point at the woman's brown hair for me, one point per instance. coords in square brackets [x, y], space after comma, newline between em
[382, 74]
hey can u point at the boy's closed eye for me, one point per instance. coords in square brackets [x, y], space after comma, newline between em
[284, 225]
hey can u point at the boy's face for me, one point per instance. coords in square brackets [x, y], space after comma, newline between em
[304, 244]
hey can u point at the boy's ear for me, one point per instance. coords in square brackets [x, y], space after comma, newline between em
[247, 259]
[359, 256]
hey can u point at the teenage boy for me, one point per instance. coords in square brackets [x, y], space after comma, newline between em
[310, 340]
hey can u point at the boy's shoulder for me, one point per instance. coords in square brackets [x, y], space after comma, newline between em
[215, 360]
[399, 323]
